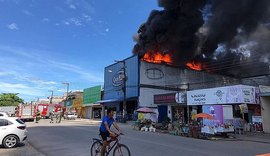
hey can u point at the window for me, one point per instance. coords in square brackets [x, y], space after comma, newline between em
[19, 121]
[1, 114]
[4, 122]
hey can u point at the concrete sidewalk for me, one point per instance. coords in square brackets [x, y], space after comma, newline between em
[255, 137]
[248, 136]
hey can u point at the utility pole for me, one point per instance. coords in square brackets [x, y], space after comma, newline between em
[124, 88]
[51, 96]
[66, 83]
[124, 91]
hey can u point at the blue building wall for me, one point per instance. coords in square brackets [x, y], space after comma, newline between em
[113, 81]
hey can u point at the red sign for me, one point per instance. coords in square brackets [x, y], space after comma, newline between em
[164, 98]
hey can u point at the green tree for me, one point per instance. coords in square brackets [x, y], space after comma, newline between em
[10, 99]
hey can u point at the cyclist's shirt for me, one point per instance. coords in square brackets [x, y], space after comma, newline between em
[109, 121]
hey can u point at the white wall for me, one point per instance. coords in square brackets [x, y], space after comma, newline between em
[146, 98]
[160, 75]
[170, 112]
[265, 106]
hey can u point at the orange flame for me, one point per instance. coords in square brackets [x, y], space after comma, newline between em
[195, 65]
[157, 57]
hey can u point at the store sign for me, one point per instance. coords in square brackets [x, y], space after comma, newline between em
[224, 95]
[170, 98]
[264, 89]
[118, 78]
[257, 119]
[92, 95]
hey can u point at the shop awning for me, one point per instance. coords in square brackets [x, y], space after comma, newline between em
[108, 101]
[91, 104]
[265, 94]
[115, 100]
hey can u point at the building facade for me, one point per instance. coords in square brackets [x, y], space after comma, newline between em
[144, 80]
[92, 109]
[265, 107]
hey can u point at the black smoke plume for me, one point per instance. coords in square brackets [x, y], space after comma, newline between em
[172, 30]
[225, 31]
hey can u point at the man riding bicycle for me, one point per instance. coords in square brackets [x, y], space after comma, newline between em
[105, 131]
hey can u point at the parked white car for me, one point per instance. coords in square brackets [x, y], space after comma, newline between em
[4, 115]
[71, 116]
[12, 131]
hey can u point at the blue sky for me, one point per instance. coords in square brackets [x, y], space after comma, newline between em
[46, 43]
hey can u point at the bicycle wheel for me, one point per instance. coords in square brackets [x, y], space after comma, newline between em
[96, 149]
[121, 150]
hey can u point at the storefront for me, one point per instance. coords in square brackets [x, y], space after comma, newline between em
[174, 104]
[229, 106]
[265, 107]
[77, 105]
[68, 105]
[121, 85]
[90, 97]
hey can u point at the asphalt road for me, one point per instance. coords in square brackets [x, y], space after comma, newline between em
[73, 138]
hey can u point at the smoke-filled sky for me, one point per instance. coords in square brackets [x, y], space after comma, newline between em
[45, 43]
[237, 30]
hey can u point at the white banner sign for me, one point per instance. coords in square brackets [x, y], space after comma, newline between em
[264, 89]
[224, 95]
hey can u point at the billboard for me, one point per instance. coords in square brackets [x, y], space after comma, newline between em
[224, 95]
[91, 95]
[114, 79]
[170, 98]
[214, 110]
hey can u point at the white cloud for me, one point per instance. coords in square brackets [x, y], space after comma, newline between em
[76, 21]
[66, 23]
[45, 20]
[75, 69]
[107, 30]
[87, 17]
[4, 73]
[57, 24]
[36, 56]
[18, 51]
[73, 21]
[19, 88]
[87, 6]
[26, 12]
[10, 85]
[13, 26]
[71, 6]
[29, 78]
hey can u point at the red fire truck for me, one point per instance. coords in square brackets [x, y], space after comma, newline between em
[26, 112]
[45, 109]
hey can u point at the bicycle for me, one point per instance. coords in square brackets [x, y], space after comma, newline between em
[119, 149]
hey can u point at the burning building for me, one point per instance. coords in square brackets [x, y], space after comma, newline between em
[229, 38]
[191, 45]
[155, 85]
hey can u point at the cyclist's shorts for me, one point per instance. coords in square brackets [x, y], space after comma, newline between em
[104, 135]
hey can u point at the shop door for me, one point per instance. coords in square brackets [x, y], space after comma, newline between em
[162, 113]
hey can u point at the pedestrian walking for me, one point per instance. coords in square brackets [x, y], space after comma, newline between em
[57, 117]
[60, 115]
[51, 116]
[37, 116]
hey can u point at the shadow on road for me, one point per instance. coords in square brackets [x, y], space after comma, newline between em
[19, 145]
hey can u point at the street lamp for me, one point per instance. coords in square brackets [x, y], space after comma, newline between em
[124, 88]
[66, 83]
[51, 96]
